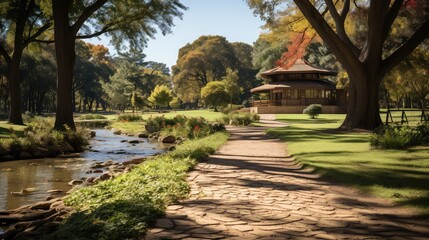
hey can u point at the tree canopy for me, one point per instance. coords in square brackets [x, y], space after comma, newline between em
[391, 31]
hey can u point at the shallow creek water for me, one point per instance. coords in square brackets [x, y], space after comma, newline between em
[39, 176]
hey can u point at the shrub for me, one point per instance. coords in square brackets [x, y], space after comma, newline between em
[92, 116]
[313, 110]
[129, 118]
[423, 133]
[240, 119]
[40, 133]
[182, 126]
[396, 137]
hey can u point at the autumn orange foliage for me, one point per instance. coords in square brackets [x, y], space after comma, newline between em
[296, 50]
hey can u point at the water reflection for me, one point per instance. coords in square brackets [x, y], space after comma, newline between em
[28, 181]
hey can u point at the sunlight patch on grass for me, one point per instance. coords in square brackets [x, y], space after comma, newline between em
[400, 175]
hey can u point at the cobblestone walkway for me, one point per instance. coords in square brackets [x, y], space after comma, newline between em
[249, 189]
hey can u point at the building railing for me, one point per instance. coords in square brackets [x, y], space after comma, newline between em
[291, 102]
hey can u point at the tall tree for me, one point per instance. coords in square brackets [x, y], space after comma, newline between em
[266, 52]
[417, 74]
[367, 63]
[245, 70]
[232, 86]
[203, 61]
[214, 94]
[124, 20]
[24, 22]
[161, 96]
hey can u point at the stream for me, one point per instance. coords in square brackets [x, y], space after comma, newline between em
[41, 178]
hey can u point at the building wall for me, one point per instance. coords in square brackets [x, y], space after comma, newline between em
[329, 109]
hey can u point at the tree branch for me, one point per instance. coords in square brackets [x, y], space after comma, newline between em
[38, 33]
[339, 23]
[96, 34]
[340, 49]
[391, 16]
[5, 55]
[371, 53]
[345, 11]
[44, 41]
[86, 14]
[407, 48]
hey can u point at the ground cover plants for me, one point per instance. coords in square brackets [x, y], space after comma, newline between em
[400, 136]
[38, 139]
[347, 157]
[240, 118]
[124, 207]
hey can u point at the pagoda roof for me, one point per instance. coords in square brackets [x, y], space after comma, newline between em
[300, 66]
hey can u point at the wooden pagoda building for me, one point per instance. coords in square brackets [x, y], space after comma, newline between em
[293, 89]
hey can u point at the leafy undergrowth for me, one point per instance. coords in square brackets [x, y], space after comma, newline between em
[346, 157]
[124, 207]
[129, 127]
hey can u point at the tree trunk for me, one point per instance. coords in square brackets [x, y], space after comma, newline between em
[15, 114]
[65, 56]
[363, 109]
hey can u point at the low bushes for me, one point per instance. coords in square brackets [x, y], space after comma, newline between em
[240, 119]
[313, 110]
[182, 126]
[400, 137]
[124, 207]
[129, 118]
[40, 140]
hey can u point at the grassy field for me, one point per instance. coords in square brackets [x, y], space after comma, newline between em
[400, 175]
[5, 129]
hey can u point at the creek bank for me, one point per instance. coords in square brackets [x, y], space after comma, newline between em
[35, 151]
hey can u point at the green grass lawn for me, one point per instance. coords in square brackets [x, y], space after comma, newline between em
[129, 127]
[400, 175]
[6, 132]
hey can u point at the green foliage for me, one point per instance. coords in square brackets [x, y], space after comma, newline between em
[126, 206]
[267, 51]
[214, 94]
[182, 126]
[400, 137]
[313, 110]
[175, 103]
[231, 84]
[39, 133]
[129, 118]
[161, 96]
[206, 60]
[240, 119]
[91, 117]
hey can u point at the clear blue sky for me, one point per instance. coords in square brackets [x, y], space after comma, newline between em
[230, 18]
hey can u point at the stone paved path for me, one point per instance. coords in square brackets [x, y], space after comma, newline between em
[250, 189]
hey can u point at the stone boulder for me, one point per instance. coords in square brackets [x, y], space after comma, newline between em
[92, 134]
[168, 139]
[143, 135]
[133, 141]
[103, 177]
[75, 182]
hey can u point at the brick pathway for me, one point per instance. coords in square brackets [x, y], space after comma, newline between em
[249, 189]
